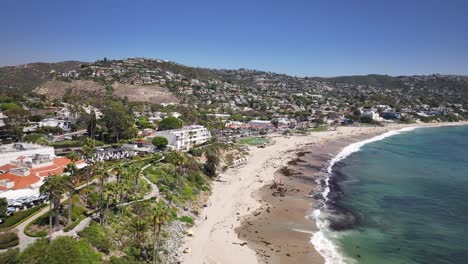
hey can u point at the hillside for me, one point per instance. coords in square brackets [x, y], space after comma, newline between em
[158, 81]
[56, 89]
[25, 78]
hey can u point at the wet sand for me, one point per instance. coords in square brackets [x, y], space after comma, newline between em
[280, 230]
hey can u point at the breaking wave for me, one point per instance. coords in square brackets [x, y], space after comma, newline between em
[323, 239]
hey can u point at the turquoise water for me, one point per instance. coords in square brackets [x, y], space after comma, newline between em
[409, 193]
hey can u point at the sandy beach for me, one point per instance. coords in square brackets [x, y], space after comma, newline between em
[257, 213]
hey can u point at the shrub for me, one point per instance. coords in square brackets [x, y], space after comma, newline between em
[18, 217]
[186, 219]
[10, 256]
[97, 237]
[60, 250]
[8, 240]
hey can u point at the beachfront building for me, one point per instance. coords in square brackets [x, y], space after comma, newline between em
[24, 176]
[11, 152]
[373, 115]
[236, 125]
[260, 124]
[185, 138]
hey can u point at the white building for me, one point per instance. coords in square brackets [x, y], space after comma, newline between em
[218, 116]
[2, 116]
[185, 138]
[55, 122]
[12, 152]
[370, 114]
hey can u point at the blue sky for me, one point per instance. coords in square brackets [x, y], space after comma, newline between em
[305, 38]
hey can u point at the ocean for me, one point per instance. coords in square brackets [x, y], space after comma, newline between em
[401, 197]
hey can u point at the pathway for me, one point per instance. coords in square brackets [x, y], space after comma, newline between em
[25, 240]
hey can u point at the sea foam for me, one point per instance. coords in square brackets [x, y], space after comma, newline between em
[322, 239]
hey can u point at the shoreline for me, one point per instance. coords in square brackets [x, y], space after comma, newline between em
[260, 213]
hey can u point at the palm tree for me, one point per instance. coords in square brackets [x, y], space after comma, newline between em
[110, 191]
[118, 170]
[161, 216]
[139, 227]
[54, 186]
[102, 175]
[123, 186]
[88, 151]
[71, 168]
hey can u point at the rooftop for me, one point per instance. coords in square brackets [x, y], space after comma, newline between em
[15, 147]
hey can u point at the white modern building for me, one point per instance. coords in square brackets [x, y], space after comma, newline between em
[185, 138]
[11, 152]
[370, 114]
[55, 122]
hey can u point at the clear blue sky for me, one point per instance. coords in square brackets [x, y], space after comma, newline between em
[305, 38]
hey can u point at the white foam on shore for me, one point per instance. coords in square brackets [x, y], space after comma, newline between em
[322, 239]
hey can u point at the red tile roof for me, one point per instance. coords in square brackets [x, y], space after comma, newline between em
[8, 167]
[20, 181]
[58, 167]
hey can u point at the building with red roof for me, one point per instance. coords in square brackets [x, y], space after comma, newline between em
[29, 173]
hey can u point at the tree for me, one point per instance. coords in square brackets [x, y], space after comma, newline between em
[16, 120]
[110, 194]
[212, 162]
[139, 228]
[160, 142]
[62, 250]
[36, 138]
[109, 89]
[10, 106]
[143, 122]
[88, 151]
[237, 117]
[170, 122]
[54, 186]
[91, 128]
[3, 207]
[161, 216]
[71, 168]
[118, 121]
[97, 236]
[102, 175]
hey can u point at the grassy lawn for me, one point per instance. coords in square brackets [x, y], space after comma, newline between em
[254, 141]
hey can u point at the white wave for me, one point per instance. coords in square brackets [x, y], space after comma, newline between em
[324, 245]
[348, 150]
[322, 240]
